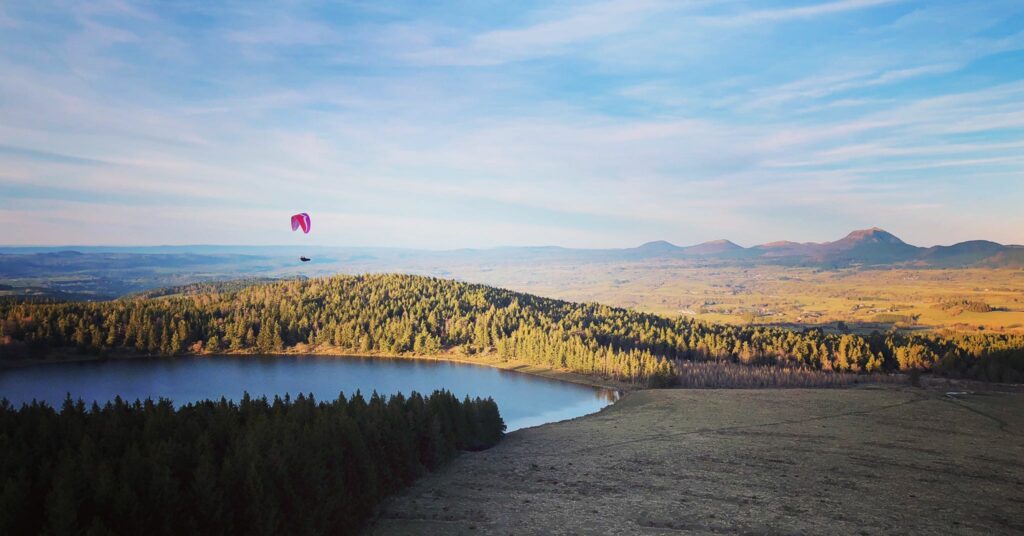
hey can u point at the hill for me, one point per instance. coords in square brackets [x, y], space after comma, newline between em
[402, 315]
[870, 246]
[865, 247]
[719, 248]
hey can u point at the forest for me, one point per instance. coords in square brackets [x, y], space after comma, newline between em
[415, 315]
[286, 466]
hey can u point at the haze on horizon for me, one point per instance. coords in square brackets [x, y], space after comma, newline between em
[589, 124]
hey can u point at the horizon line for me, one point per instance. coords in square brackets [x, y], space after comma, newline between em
[70, 247]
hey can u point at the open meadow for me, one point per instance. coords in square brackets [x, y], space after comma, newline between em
[870, 460]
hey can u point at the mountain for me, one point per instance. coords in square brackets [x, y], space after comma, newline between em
[877, 247]
[102, 272]
[657, 248]
[864, 247]
[963, 253]
[871, 238]
[1010, 256]
[662, 248]
[783, 249]
[723, 248]
[868, 246]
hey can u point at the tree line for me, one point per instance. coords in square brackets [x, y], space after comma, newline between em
[404, 314]
[287, 466]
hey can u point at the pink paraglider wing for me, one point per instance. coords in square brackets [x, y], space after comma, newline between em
[301, 220]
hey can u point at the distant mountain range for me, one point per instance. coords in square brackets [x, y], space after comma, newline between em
[97, 272]
[867, 247]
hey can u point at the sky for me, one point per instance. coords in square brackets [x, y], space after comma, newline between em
[479, 123]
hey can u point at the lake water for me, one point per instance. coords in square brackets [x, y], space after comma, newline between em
[523, 400]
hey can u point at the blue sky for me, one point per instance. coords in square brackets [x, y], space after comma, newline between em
[479, 123]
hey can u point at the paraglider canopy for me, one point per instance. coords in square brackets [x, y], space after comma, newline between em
[301, 221]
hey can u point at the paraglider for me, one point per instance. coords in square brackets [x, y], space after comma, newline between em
[301, 221]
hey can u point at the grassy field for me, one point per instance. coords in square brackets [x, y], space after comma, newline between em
[863, 299]
[841, 461]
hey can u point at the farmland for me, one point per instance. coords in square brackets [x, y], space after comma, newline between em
[862, 299]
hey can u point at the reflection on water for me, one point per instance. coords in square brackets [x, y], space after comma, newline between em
[610, 396]
[524, 400]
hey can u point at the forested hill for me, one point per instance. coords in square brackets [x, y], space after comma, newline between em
[402, 314]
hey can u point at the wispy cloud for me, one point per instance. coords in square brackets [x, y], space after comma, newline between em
[819, 86]
[760, 16]
[548, 36]
[599, 124]
[286, 30]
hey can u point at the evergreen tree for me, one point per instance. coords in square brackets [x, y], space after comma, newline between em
[399, 314]
[252, 467]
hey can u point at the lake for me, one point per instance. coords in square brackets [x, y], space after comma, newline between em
[523, 400]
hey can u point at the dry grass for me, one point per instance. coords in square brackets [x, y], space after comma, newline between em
[863, 299]
[735, 461]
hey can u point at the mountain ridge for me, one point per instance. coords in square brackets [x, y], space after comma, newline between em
[863, 247]
[873, 246]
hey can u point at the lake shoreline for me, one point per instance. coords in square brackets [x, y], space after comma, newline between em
[492, 360]
[485, 360]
